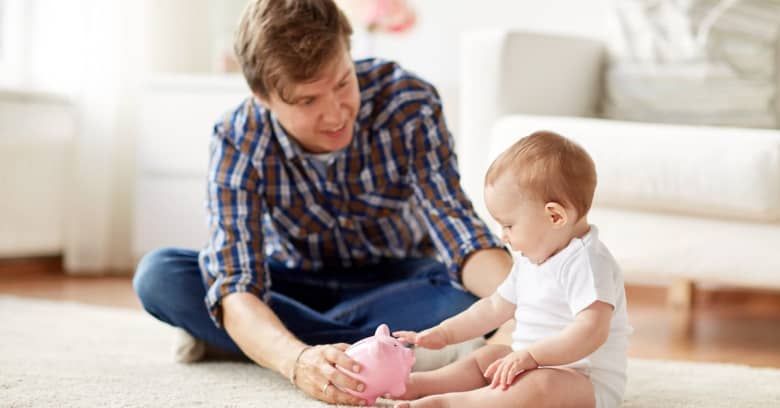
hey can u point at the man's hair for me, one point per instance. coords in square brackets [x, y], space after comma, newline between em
[549, 167]
[283, 42]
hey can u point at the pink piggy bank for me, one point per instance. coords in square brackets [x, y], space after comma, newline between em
[385, 365]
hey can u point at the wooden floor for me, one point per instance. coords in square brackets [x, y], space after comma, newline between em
[729, 325]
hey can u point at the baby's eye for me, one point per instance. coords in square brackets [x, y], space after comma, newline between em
[507, 226]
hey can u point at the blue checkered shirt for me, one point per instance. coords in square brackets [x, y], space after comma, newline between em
[394, 192]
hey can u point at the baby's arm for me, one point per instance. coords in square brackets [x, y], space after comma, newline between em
[578, 340]
[581, 338]
[482, 317]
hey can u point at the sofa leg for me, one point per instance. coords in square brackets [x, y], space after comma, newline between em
[680, 303]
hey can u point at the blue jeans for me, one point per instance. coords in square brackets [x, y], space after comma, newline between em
[330, 306]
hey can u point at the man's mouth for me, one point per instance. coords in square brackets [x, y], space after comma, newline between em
[335, 132]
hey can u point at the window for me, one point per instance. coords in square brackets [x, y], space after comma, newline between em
[3, 35]
[13, 14]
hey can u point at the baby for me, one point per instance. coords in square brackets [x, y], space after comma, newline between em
[565, 292]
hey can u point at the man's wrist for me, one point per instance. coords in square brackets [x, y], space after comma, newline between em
[294, 368]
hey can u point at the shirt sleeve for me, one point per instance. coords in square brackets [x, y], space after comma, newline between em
[232, 260]
[453, 225]
[586, 282]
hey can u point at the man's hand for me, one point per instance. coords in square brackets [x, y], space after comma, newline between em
[504, 371]
[433, 338]
[316, 375]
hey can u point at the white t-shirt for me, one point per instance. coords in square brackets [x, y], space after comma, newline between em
[549, 296]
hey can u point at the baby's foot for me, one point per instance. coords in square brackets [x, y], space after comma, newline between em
[427, 402]
[411, 390]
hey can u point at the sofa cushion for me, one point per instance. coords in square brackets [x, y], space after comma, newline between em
[716, 171]
[658, 248]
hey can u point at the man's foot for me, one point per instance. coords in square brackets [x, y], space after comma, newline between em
[187, 349]
[427, 360]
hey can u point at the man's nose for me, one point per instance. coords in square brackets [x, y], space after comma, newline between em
[333, 113]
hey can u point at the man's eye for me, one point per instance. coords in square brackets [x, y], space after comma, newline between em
[307, 101]
[341, 85]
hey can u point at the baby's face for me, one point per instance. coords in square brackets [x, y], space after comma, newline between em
[524, 223]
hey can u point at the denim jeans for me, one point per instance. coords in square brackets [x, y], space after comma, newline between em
[329, 306]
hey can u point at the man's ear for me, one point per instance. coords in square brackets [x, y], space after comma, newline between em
[556, 214]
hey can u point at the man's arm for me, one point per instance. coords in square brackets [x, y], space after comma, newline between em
[237, 277]
[485, 269]
[473, 254]
[243, 313]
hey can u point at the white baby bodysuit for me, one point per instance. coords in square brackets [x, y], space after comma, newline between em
[549, 296]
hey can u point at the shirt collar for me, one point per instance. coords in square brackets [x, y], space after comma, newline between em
[564, 254]
[292, 149]
[289, 147]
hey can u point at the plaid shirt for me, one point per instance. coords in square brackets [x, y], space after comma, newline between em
[394, 192]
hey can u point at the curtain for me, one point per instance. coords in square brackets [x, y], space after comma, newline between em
[92, 52]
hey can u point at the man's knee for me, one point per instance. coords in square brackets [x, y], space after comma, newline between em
[149, 279]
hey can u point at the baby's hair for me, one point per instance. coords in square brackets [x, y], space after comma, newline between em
[551, 168]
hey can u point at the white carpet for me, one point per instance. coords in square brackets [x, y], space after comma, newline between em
[66, 354]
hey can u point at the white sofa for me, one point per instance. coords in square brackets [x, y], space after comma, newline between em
[675, 204]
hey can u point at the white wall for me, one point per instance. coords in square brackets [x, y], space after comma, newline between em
[184, 35]
[69, 55]
[89, 51]
[432, 48]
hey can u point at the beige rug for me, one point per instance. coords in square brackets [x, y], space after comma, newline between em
[66, 354]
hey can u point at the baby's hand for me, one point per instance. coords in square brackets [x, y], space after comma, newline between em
[504, 371]
[433, 338]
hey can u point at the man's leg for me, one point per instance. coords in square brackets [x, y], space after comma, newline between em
[169, 284]
[414, 295]
[421, 298]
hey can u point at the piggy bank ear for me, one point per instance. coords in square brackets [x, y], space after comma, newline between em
[382, 330]
[377, 348]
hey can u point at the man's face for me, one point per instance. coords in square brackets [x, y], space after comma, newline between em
[320, 114]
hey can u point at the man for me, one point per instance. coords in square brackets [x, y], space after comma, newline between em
[334, 204]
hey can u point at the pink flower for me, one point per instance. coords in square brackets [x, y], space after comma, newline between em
[394, 16]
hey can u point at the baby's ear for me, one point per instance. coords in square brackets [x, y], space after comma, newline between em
[556, 214]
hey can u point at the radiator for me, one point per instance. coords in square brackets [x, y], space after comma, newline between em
[36, 138]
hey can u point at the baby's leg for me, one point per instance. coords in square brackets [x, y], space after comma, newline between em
[543, 387]
[463, 375]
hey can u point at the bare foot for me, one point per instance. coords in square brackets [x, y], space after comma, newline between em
[412, 392]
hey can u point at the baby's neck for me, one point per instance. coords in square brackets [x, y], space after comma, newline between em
[581, 228]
